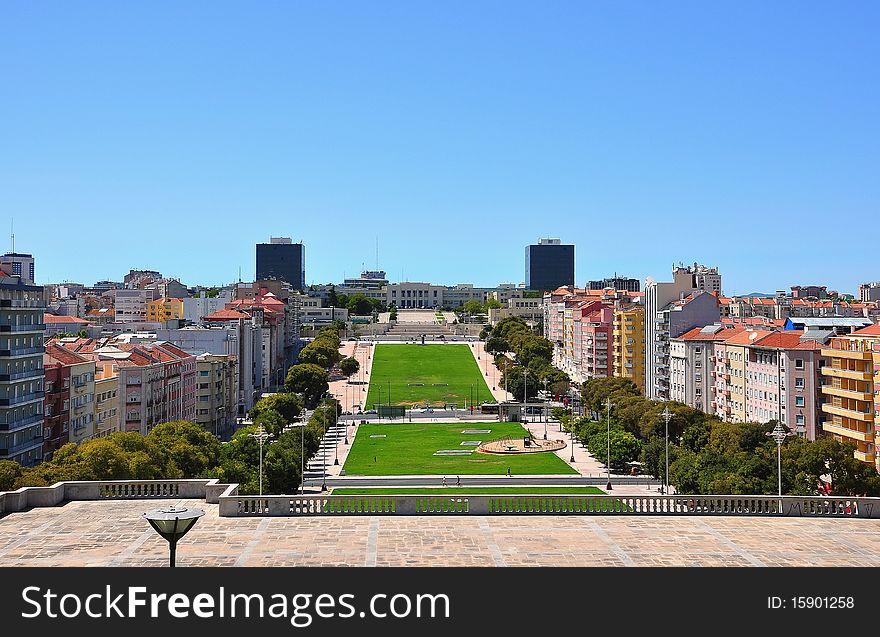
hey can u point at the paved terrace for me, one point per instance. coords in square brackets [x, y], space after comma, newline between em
[112, 533]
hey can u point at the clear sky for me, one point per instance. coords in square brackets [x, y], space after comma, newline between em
[175, 136]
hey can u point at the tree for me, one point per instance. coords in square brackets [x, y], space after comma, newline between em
[281, 464]
[360, 305]
[273, 422]
[472, 307]
[322, 351]
[288, 405]
[497, 345]
[349, 366]
[493, 304]
[625, 447]
[513, 379]
[10, 471]
[191, 450]
[308, 380]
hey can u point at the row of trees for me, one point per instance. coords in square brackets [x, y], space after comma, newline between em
[183, 449]
[357, 304]
[533, 359]
[709, 456]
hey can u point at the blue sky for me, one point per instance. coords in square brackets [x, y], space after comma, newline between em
[174, 136]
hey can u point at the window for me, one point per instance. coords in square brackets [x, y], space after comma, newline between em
[799, 383]
[798, 401]
[799, 363]
[800, 420]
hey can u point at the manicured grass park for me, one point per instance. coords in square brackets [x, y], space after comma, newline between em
[408, 449]
[468, 490]
[418, 374]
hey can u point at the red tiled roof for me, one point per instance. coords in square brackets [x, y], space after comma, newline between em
[53, 319]
[63, 355]
[747, 337]
[788, 339]
[723, 334]
[871, 330]
[226, 315]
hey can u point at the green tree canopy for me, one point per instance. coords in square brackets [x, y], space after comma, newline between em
[308, 380]
[349, 366]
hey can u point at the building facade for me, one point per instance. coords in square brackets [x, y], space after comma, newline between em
[549, 265]
[851, 393]
[216, 394]
[628, 344]
[164, 309]
[21, 370]
[282, 260]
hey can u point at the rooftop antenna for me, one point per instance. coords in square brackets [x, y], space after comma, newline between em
[12, 233]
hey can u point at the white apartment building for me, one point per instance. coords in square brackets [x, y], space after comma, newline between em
[131, 305]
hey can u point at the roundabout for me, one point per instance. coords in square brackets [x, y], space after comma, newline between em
[515, 446]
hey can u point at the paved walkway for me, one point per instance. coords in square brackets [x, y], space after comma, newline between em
[113, 533]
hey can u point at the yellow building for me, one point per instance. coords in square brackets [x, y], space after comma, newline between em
[164, 309]
[628, 340]
[851, 397]
[106, 399]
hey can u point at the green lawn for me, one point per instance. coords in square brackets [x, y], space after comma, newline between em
[436, 374]
[469, 490]
[408, 448]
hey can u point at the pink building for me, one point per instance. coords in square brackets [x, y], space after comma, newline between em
[157, 383]
[783, 375]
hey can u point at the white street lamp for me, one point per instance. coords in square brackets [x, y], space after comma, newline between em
[261, 436]
[667, 415]
[779, 434]
[608, 467]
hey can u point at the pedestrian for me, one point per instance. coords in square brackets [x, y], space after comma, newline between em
[508, 472]
[444, 481]
[458, 481]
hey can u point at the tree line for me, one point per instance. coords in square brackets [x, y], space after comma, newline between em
[709, 456]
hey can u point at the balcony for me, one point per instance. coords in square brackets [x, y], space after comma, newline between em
[22, 304]
[847, 373]
[848, 413]
[21, 351]
[31, 373]
[848, 433]
[34, 327]
[22, 423]
[847, 393]
[846, 353]
[22, 447]
[18, 400]
[864, 456]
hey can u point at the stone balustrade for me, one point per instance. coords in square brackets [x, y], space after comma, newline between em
[231, 504]
[794, 506]
[209, 490]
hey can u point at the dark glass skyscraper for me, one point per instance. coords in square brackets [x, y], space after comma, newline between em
[283, 260]
[549, 265]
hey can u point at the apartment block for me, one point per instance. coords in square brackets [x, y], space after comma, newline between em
[131, 305]
[106, 399]
[216, 393]
[691, 365]
[56, 407]
[78, 383]
[852, 390]
[628, 344]
[164, 309]
[21, 370]
[658, 296]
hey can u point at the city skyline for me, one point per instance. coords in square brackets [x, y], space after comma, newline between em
[644, 135]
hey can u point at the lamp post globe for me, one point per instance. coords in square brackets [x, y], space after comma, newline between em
[172, 523]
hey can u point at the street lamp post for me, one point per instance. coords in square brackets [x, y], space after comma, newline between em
[779, 434]
[667, 416]
[260, 435]
[172, 523]
[546, 406]
[335, 436]
[608, 467]
[571, 438]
